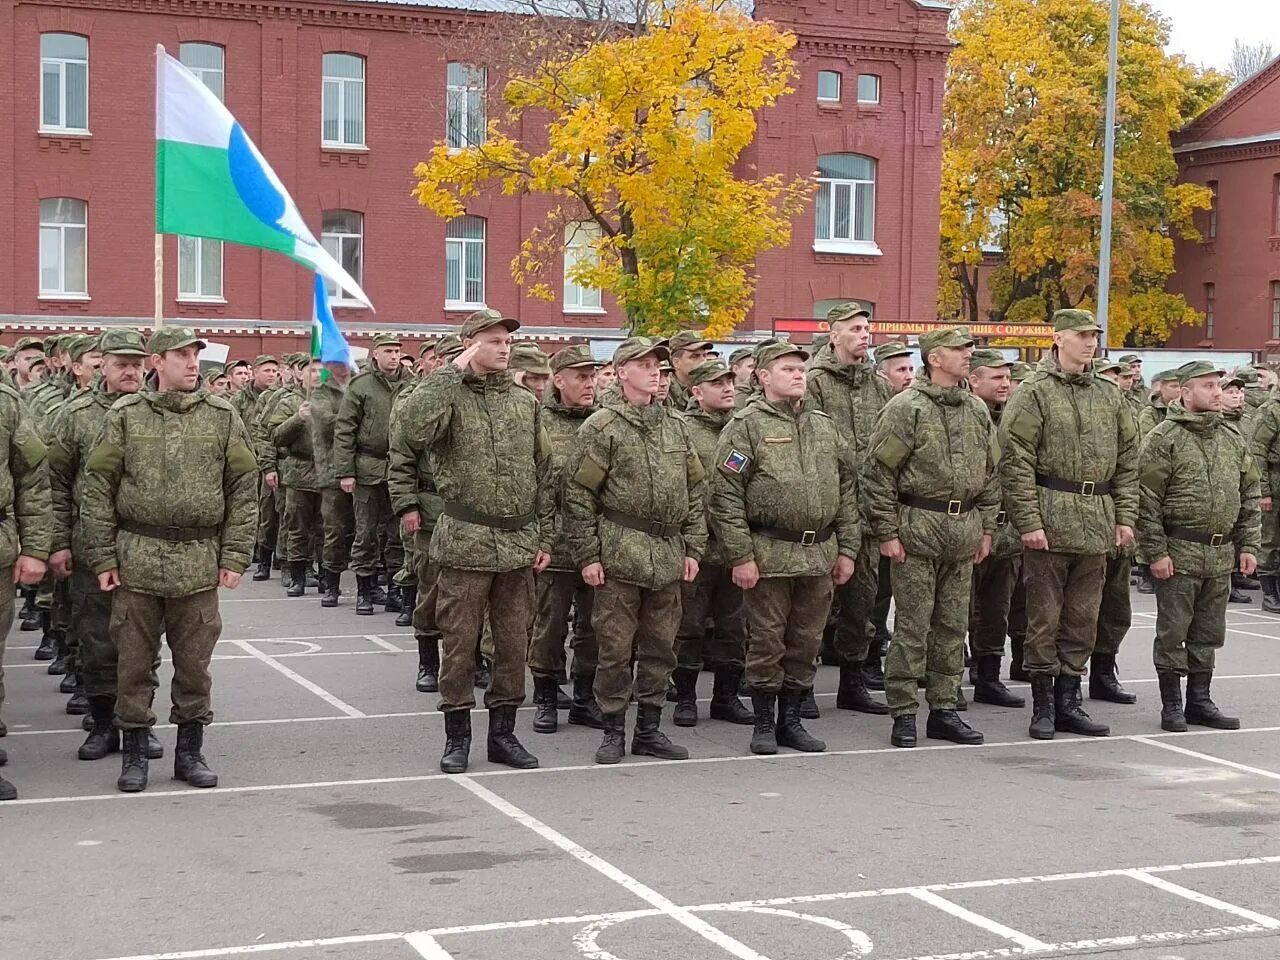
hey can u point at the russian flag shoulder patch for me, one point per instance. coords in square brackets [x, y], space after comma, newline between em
[736, 462]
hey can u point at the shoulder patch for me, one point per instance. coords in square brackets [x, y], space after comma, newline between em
[736, 461]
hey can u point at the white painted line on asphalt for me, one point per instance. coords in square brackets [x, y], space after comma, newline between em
[1104, 943]
[384, 644]
[1271, 923]
[299, 679]
[1027, 943]
[629, 883]
[264, 947]
[1210, 758]
[427, 946]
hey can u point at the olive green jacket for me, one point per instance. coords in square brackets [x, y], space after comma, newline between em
[291, 444]
[362, 431]
[73, 437]
[704, 430]
[411, 481]
[1150, 416]
[562, 423]
[1265, 442]
[27, 527]
[851, 394]
[326, 399]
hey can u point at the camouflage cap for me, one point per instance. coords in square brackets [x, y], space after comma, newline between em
[774, 351]
[53, 344]
[1197, 368]
[29, 343]
[529, 357]
[428, 346]
[1074, 320]
[819, 341]
[264, 358]
[709, 371]
[1247, 376]
[738, 355]
[989, 358]
[215, 373]
[847, 311]
[38, 362]
[124, 341]
[82, 345]
[767, 342]
[5, 353]
[1020, 371]
[574, 355]
[448, 346]
[688, 340]
[1233, 380]
[173, 338]
[236, 363]
[957, 336]
[887, 351]
[633, 348]
[1165, 375]
[385, 340]
[483, 320]
[1130, 358]
[1105, 365]
[1126, 369]
[301, 360]
[664, 366]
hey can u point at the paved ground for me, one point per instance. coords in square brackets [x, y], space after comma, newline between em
[333, 835]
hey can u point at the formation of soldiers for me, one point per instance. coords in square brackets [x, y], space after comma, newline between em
[654, 515]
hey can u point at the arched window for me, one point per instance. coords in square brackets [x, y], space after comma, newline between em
[342, 110]
[845, 207]
[207, 62]
[464, 104]
[64, 248]
[579, 249]
[64, 83]
[464, 263]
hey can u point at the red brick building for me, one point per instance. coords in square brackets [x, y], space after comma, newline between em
[1232, 274]
[344, 97]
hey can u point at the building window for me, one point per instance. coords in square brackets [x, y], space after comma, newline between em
[64, 82]
[1210, 308]
[1275, 309]
[205, 60]
[1212, 232]
[465, 123]
[580, 251]
[828, 86]
[868, 88]
[342, 235]
[464, 263]
[64, 247]
[1275, 205]
[846, 204]
[199, 268]
[342, 118]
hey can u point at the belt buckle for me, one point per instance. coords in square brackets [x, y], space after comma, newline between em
[808, 538]
[1215, 540]
[656, 529]
[953, 507]
[1001, 518]
[1086, 488]
[173, 534]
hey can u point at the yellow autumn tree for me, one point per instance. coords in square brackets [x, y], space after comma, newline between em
[1024, 117]
[639, 131]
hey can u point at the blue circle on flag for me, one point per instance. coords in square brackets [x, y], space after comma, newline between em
[256, 190]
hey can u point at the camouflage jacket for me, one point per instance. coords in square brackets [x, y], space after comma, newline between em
[362, 431]
[325, 401]
[490, 457]
[1150, 416]
[170, 460]
[27, 527]
[778, 468]
[1071, 427]
[246, 399]
[562, 423]
[704, 430]
[636, 462]
[1198, 474]
[265, 420]
[852, 394]
[1265, 442]
[1006, 542]
[74, 435]
[1254, 399]
[679, 396]
[410, 475]
[938, 443]
[290, 443]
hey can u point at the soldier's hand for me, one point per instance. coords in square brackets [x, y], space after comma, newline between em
[690, 569]
[348, 484]
[1248, 564]
[1035, 540]
[60, 564]
[463, 360]
[108, 581]
[271, 479]
[304, 410]
[411, 521]
[1265, 504]
[1162, 569]
[842, 571]
[593, 574]
[984, 549]
[894, 550]
[1124, 535]
[28, 570]
[746, 575]
[541, 561]
[229, 579]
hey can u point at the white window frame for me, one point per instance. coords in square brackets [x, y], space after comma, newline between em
[62, 229]
[457, 103]
[203, 74]
[839, 86]
[466, 246]
[341, 83]
[197, 295]
[61, 63]
[1210, 310]
[335, 242]
[1275, 309]
[578, 246]
[879, 92]
[831, 244]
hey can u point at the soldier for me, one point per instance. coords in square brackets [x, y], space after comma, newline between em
[742, 362]
[264, 375]
[25, 353]
[845, 386]
[335, 503]
[360, 439]
[1069, 479]
[217, 381]
[688, 349]
[1233, 412]
[1265, 444]
[785, 511]
[269, 457]
[894, 360]
[489, 455]
[1198, 518]
[288, 426]
[634, 517]
[1254, 396]
[1165, 390]
[164, 533]
[995, 577]
[1138, 389]
[605, 378]
[240, 372]
[530, 368]
[713, 594]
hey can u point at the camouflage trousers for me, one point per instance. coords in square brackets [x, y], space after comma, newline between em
[1018, 605]
[271, 506]
[91, 616]
[558, 593]
[304, 520]
[634, 625]
[6, 621]
[785, 616]
[339, 527]
[932, 602]
[1115, 615]
[993, 585]
[1269, 559]
[1191, 622]
[855, 603]
[191, 626]
[408, 571]
[1064, 591]
[374, 522]
[715, 597]
[884, 597]
[461, 601]
[424, 611]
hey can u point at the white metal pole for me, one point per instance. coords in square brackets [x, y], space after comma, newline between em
[1108, 178]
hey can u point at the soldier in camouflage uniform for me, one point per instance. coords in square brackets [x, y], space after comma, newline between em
[785, 511]
[530, 368]
[290, 454]
[1198, 518]
[634, 517]
[265, 374]
[1164, 391]
[1264, 441]
[270, 456]
[688, 349]
[1069, 480]
[335, 503]
[1254, 396]
[485, 447]
[1233, 412]
[26, 352]
[1136, 391]
[165, 533]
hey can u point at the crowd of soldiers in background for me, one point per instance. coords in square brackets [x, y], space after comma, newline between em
[665, 512]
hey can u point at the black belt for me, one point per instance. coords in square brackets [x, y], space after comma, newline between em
[1085, 488]
[952, 508]
[459, 512]
[171, 534]
[1197, 536]
[654, 528]
[370, 452]
[803, 537]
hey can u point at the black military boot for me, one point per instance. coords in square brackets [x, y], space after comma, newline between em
[1042, 707]
[545, 717]
[104, 738]
[809, 706]
[58, 665]
[614, 745]
[791, 732]
[78, 705]
[504, 748]
[764, 738]
[904, 731]
[1241, 582]
[1068, 710]
[1104, 683]
[155, 749]
[264, 565]
[873, 669]
[987, 686]
[30, 616]
[457, 741]
[649, 741]
[393, 603]
[685, 713]
[408, 600]
[297, 578]
[563, 700]
[1145, 584]
[1201, 710]
[428, 665]
[313, 577]
[376, 591]
[853, 694]
[133, 761]
[1238, 595]
[949, 725]
[68, 683]
[1172, 717]
[725, 704]
[364, 596]
[585, 712]
[7, 790]
[286, 576]
[1016, 670]
[961, 703]
[484, 676]
[331, 579]
[45, 650]
[188, 762]
[1270, 594]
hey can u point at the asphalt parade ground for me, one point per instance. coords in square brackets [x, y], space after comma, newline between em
[333, 835]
